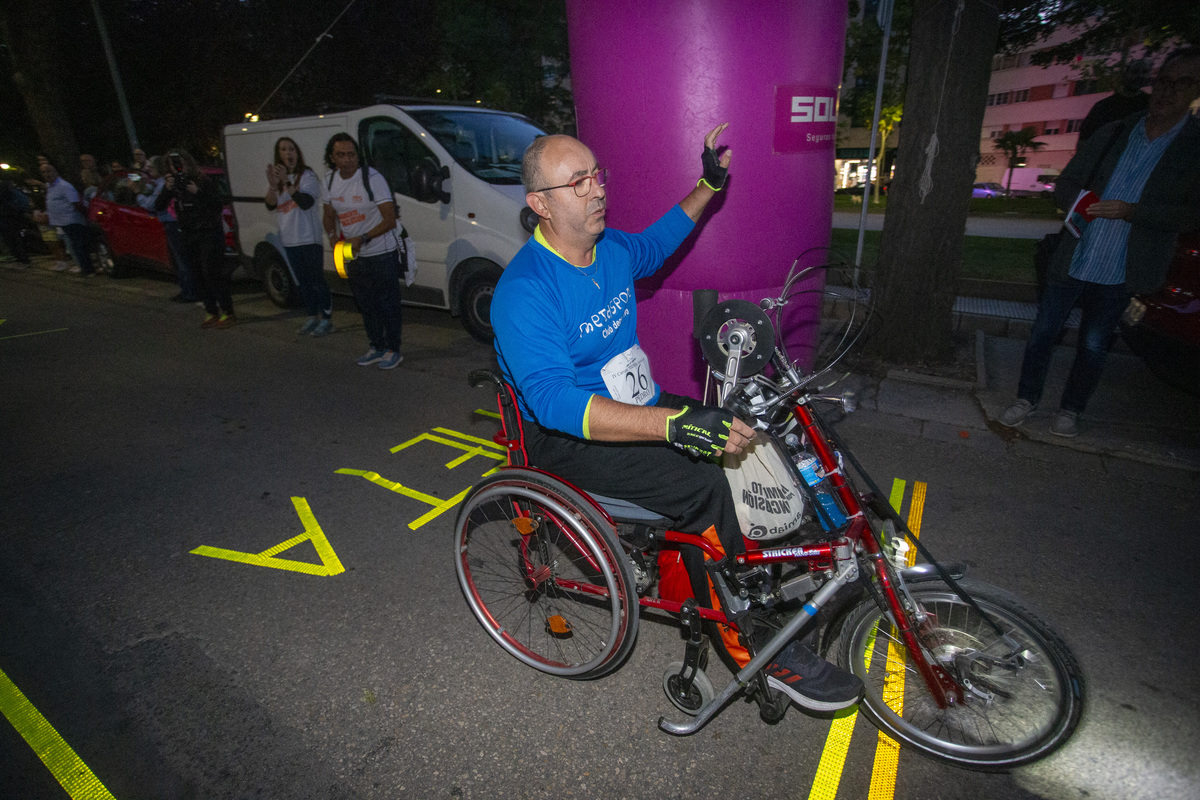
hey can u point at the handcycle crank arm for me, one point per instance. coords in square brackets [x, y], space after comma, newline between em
[845, 575]
[733, 366]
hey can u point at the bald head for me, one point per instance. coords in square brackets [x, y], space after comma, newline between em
[544, 157]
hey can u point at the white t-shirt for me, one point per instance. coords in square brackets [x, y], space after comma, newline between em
[296, 225]
[355, 211]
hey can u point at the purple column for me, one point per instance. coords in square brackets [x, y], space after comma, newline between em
[650, 79]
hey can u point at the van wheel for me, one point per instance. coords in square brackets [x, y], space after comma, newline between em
[277, 278]
[475, 305]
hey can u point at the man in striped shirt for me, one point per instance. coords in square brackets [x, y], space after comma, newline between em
[1146, 171]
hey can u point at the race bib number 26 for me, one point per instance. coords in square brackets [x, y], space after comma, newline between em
[627, 377]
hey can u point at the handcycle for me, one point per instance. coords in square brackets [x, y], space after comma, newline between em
[954, 668]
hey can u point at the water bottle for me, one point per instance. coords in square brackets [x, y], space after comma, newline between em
[810, 469]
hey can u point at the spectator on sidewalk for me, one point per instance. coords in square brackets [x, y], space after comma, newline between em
[358, 201]
[14, 209]
[65, 211]
[1146, 171]
[292, 192]
[49, 237]
[89, 177]
[1128, 98]
[155, 183]
[198, 206]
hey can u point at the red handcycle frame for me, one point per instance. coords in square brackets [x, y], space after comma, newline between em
[820, 556]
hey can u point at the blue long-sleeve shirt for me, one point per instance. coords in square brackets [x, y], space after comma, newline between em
[557, 325]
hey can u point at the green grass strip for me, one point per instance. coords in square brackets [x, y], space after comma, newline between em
[984, 257]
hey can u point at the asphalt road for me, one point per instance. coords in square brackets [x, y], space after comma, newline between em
[130, 438]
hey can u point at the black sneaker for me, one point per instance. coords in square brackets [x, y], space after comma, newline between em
[812, 682]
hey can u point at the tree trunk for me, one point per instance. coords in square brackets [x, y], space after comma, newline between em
[921, 248]
[27, 28]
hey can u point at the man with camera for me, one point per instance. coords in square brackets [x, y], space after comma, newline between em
[198, 206]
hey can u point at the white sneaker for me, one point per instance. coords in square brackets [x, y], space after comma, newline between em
[75, 270]
[1015, 414]
[61, 266]
[1065, 424]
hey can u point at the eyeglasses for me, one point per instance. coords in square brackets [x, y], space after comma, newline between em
[582, 186]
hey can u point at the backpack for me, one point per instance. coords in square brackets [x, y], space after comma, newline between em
[366, 179]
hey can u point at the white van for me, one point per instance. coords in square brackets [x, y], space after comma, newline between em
[455, 172]
[1030, 181]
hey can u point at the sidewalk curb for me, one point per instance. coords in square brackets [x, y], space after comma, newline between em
[980, 382]
[981, 374]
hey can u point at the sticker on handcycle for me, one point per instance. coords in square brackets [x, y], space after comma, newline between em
[628, 378]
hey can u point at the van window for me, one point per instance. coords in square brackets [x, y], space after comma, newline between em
[394, 150]
[1047, 178]
[487, 144]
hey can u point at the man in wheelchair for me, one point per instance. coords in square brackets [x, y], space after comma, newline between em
[565, 319]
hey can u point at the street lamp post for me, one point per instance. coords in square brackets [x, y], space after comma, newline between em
[116, 77]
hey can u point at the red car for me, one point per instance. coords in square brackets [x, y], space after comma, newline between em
[129, 236]
[1168, 335]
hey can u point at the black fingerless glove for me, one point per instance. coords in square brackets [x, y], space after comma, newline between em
[714, 173]
[702, 431]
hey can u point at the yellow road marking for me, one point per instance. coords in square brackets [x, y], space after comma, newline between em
[486, 413]
[471, 447]
[330, 564]
[66, 767]
[837, 743]
[440, 506]
[887, 749]
[470, 438]
[492, 451]
[833, 758]
[35, 333]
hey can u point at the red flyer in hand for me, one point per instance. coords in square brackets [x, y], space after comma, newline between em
[1078, 216]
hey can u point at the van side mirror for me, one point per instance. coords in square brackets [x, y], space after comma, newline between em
[427, 180]
[444, 175]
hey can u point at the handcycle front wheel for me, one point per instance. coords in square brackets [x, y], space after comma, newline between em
[1028, 698]
[544, 573]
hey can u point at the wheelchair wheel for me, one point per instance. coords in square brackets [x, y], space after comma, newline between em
[1026, 691]
[544, 574]
[701, 693]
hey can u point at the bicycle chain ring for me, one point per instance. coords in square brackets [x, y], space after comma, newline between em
[714, 336]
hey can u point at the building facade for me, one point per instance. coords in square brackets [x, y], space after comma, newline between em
[1054, 100]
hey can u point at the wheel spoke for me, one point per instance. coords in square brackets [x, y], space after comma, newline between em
[542, 573]
[1021, 706]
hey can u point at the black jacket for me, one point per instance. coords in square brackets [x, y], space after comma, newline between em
[197, 213]
[1169, 203]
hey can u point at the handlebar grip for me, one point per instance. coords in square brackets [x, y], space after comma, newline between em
[703, 301]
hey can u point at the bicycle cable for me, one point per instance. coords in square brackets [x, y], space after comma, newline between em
[895, 517]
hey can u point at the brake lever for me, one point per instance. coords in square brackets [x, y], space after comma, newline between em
[848, 400]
